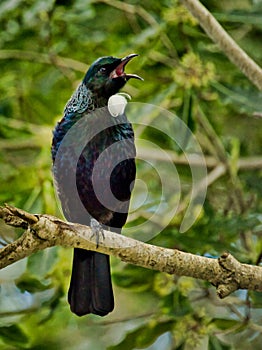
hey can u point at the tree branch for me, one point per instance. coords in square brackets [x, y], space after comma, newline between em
[38, 57]
[43, 231]
[245, 163]
[215, 31]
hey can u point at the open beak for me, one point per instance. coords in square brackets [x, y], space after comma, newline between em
[119, 71]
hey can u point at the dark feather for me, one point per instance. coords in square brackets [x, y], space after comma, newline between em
[90, 287]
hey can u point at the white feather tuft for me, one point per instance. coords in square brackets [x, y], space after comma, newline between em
[117, 104]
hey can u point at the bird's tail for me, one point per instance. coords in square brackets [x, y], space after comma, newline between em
[90, 287]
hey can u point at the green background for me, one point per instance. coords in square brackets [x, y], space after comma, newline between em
[45, 48]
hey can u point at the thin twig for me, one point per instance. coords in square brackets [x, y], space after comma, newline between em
[245, 163]
[147, 17]
[216, 32]
[221, 154]
[38, 57]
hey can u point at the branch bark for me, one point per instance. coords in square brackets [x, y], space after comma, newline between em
[215, 31]
[43, 231]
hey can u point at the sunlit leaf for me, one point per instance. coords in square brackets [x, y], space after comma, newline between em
[143, 336]
[225, 323]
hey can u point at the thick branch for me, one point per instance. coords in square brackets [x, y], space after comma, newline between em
[43, 231]
[225, 42]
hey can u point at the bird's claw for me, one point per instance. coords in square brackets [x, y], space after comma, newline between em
[97, 230]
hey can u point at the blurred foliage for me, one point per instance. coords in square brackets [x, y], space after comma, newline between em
[45, 48]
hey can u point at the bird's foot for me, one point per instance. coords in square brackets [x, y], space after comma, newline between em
[97, 230]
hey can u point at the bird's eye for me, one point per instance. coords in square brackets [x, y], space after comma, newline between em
[102, 70]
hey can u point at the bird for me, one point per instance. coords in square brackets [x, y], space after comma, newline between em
[90, 289]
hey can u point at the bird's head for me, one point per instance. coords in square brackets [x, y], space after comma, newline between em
[106, 76]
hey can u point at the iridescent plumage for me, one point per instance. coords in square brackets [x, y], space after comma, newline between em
[90, 288]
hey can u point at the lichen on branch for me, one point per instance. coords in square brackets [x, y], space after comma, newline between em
[43, 231]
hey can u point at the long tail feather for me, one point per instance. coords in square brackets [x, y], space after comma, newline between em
[90, 287]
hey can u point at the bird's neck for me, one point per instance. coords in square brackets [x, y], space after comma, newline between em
[80, 101]
[99, 101]
[84, 99]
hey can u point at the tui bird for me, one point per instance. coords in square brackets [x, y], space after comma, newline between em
[90, 288]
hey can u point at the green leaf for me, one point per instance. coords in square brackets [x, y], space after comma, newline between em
[240, 16]
[256, 298]
[143, 336]
[39, 264]
[225, 323]
[245, 100]
[31, 284]
[134, 277]
[215, 344]
[13, 335]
